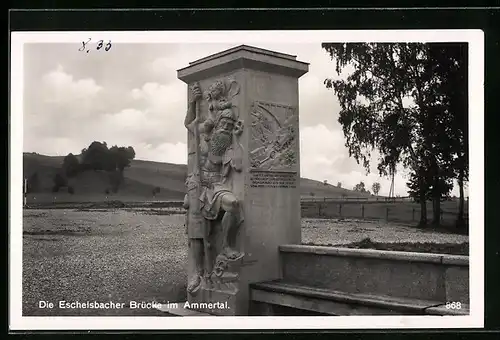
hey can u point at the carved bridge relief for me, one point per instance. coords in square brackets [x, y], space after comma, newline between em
[273, 138]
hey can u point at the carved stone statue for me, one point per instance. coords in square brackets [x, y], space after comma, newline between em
[210, 198]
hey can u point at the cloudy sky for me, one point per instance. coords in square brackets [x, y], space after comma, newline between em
[130, 95]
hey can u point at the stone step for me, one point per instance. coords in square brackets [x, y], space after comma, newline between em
[269, 298]
[421, 276]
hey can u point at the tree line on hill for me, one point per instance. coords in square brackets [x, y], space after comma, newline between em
[408, 101]
[361, 187]
[97, 157]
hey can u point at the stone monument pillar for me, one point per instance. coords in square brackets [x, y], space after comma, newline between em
[243, 194]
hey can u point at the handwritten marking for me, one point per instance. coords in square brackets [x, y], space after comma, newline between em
[100, 45]
[84, 45]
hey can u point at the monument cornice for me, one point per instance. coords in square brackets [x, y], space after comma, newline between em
[243, 57]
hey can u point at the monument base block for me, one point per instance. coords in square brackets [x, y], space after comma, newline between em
[243, 173]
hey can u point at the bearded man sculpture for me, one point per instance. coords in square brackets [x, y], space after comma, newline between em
[210, 199]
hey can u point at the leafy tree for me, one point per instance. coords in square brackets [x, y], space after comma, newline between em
[373, 112]
[419, 184]
[156, 190]
[451, 61]
[33, 183]
[376, 188]
[339, 185]
[446, 121]
[360, 187]
[71, 165]
[59, 182]
[113, 160]
[325, 182]
[122, 156]
[97, 157]
[397, 101]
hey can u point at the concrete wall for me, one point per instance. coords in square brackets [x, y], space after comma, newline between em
[435, 277]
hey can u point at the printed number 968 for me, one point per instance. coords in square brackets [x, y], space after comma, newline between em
[453, 305]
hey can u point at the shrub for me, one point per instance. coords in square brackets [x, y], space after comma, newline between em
[156, 190]
[71, 190]
[59, 180]
[71, 165]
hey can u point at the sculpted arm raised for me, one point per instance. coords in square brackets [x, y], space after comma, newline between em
[191, 121]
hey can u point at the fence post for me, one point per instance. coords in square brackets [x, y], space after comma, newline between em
[441, 216]
[387, 214]
[319, 209]
[413, 214]
[362, 211]
[25, 191]
[340, 210]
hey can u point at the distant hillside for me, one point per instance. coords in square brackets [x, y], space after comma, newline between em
[140, 180]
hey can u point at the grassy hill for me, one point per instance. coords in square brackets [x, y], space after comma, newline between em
[140, 180]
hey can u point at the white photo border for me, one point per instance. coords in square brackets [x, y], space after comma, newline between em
[475, 40]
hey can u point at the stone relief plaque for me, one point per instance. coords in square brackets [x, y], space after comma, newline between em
[273, 139]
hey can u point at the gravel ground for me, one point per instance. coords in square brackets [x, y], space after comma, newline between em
[125, 255]
[335, 232]
[115, 255]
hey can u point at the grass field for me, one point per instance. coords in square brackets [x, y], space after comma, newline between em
[143, 176]
[401, 212]
[115, 255]
[139, 181]
[124, 255]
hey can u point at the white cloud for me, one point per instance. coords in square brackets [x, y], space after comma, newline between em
[165, 108]
[55, 146]
[165, 67]
[60, 87]
[160, 97]
[57, 106]
[166, 152]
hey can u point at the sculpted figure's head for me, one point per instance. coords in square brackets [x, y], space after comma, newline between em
[225, 121]
[224, 127]
[215, 91]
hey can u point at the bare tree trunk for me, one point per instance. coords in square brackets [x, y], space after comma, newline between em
[460, 220]
[423, 204]
[422, 197]
[423, 212]
[436, 198]
[436, 211]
